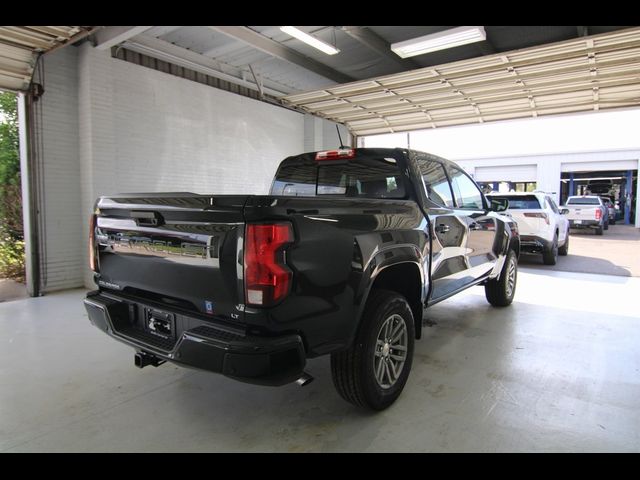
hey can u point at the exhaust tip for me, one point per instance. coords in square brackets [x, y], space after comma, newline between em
[305, 379]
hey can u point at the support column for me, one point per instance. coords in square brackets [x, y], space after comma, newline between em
[26, 134]
[571, 185]
[627, 197]
[637, 219]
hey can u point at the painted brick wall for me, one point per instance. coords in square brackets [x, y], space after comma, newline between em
[115, 127]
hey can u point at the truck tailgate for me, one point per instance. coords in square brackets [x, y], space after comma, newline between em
[582, 213]
[182, 249]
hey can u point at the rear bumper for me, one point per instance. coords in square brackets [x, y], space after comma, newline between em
[534, 244]
[584, 223]
[202, 343]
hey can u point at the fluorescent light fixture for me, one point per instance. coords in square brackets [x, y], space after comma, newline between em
[439, 41]
[309, 40]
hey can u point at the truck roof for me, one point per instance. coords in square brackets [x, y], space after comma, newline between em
[311, 156]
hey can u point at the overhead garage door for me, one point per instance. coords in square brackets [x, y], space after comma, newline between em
[600, 165]
[511, 173]
[21, 45]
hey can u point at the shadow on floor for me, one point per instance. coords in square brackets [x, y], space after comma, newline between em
[576, 263]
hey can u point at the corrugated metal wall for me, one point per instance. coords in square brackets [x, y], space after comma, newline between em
[58, 163]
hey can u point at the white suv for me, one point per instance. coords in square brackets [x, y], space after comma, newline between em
[543, 228]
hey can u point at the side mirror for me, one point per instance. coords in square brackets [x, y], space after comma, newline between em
[564, 211]
[499, 204]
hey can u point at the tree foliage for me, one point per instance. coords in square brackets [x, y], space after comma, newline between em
[11, 232]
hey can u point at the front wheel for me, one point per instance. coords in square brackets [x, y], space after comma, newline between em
[374, 370]
[500, 292]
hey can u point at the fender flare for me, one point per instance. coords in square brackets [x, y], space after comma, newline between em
[382, 261]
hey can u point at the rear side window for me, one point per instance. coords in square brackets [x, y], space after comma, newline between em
[436, 182]
[366, 177]
[520, 202]
[583, 201]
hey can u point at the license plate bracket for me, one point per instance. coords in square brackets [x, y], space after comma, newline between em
[159, 323]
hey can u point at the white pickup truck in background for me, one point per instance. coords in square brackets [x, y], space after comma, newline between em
[587, 211]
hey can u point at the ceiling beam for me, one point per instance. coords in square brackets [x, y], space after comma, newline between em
[379, 45]
[108, 37]
[163, 50]
[486, 47]
[278, 50]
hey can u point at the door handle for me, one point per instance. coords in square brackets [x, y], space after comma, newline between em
[442, 228]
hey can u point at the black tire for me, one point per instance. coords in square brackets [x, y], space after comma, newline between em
[550, 255]
[599, 230]
[496, 290]
[564, 249]
[606, 225]
[353, 371]
[613, 222]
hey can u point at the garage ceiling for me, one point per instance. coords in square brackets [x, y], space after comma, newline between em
[517, 72]
[590, 73]
[20, 47]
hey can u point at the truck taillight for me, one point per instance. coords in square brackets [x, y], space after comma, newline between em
[598, 214]
[267, 279]
[92, 243]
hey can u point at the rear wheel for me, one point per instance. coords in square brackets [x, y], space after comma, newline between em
[550, 254]
[373, 372]
[564, 249]
[500, 292]
[606, 225]
[599, 230]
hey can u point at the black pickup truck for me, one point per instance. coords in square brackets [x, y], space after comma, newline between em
[342, 257]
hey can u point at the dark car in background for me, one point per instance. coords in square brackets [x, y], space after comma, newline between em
[611, 209]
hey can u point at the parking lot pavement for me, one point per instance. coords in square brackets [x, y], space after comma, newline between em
[616, 252]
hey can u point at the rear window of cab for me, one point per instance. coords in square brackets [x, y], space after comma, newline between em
[519, 202]
[363, 176]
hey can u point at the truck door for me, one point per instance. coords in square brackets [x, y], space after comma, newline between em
[449, 265]
[471, 208]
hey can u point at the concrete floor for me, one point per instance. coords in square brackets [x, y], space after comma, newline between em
[557, 371]
[12, 290]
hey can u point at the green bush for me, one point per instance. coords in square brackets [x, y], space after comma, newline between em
[11, 257]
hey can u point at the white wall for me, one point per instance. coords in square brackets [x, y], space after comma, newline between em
[550, 167]
[584, 132]
[581, 142]
[114, 127]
